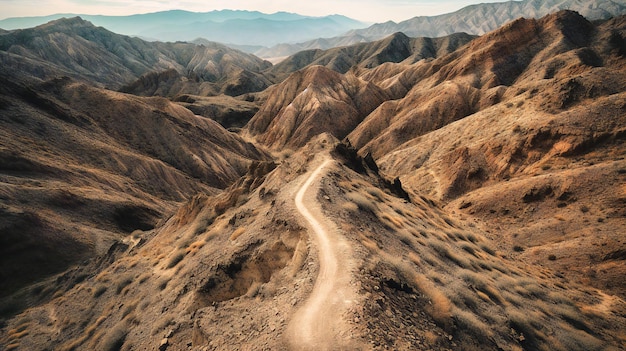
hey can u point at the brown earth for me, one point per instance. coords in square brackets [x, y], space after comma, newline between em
[477, 202]
[311, 102]
[221, 274]
[82, 167]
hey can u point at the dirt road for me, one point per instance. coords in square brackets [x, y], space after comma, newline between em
[320, 324]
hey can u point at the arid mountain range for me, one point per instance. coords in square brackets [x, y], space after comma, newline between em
[239, 28]
[458, 193]
[80, 50]
[282, 34]
[474, 20]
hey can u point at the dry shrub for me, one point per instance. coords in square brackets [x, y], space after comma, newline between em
[469, 249]
[407, 239]
[123, 283]
[444, 252]
[103, 277]
[439, 307]
[237, 233]
[572, 315]
[472, 238]
[514, 299]
[469, 321]
[362, 202]
[465, 297]
[114, 340]
[87, 334]
[370, 245]
[395, 221]
[129, 308]
[480, 283]
[194, 247]
[488, 250]
[376, 193]
[162, 283]
[522, 323]
[580, 340]
[415, 258]
[483, 296]
[350, 206]
[175, 259]
[143, 278]
[299, 257]
[18, 333]
[99, 291]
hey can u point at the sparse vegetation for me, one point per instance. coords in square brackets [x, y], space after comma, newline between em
[162, 283]
[175, 259]
[124, 282]
[115, 338]
[362, 202]
[237, 233]
[99, 291]
[500, 230]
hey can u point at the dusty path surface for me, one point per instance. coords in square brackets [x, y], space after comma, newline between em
[320, 324]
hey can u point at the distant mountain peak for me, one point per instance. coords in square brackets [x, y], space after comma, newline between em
[75, 21]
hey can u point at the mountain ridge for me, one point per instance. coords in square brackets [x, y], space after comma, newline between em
[79, 49]
[473, 19]
[221, 25]
[474, 194]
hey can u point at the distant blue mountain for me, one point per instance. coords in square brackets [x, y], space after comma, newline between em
[227, 26]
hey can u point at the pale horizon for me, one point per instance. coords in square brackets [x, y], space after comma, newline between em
[373, 11]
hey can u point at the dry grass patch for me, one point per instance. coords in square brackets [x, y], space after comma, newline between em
[123, 283]
[368, 243]
[115, 338]
[350, 206]
[195, 247]
[18, 332]
[237, 233]
[439, 307]
[175, 259]
[363, 203]
[470, 321]
[87, 334]
[393, 221]
[99, 291]
[375, 193]
[445, 253]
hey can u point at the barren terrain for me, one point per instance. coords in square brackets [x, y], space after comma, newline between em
[470, 200]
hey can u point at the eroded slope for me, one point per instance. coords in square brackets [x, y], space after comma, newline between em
[82, 167]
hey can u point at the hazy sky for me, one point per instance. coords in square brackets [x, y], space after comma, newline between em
[365, 10]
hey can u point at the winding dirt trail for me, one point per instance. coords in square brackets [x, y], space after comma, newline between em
[319, 324]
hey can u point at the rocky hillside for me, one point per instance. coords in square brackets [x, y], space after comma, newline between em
[395, 48]
[78, 49]
[82, 167]
[474, 19]
[520, 102]
[234, 271]
[237, 27]
[471, 200]
[311, 102]
[483, 18]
